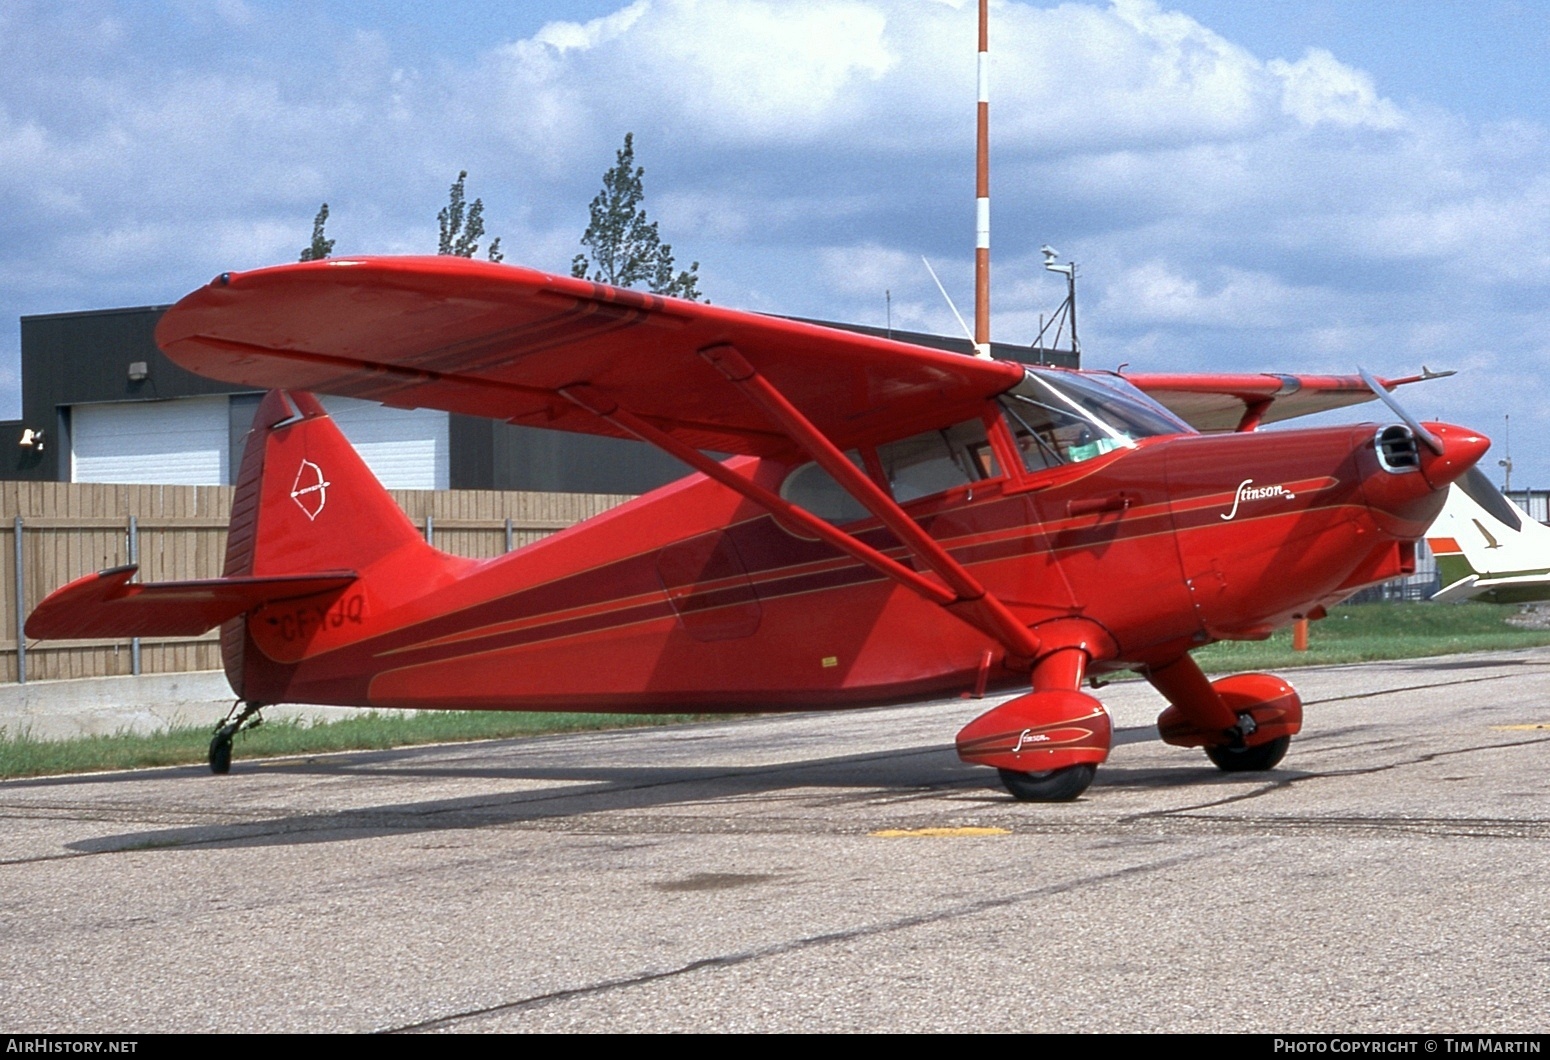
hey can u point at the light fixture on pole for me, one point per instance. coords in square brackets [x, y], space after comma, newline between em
[1069, 271]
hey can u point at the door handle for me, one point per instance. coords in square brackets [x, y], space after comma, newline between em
[1113, 502]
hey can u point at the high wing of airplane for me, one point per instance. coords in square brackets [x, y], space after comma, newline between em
[894, 521]
[1487, 547]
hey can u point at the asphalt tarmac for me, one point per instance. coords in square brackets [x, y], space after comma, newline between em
[817, 872]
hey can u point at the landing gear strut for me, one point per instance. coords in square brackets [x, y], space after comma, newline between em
[220, 744]
[1244, 722]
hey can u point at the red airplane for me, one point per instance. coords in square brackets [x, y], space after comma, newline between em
[895, 521]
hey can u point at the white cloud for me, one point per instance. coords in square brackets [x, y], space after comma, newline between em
[726, 70]
[1156, 292]
[565, 36]
[764, 70]
[866, 270]
[1319, 88]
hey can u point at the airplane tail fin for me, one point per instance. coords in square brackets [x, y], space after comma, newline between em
[306, 501]
[314, 544]
[1487, 547]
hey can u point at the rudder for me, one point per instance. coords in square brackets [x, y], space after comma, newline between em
[305, 501]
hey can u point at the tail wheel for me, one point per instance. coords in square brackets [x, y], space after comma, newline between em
[220, 754]
[1250, 759]
[1053, 785]
[242, 716]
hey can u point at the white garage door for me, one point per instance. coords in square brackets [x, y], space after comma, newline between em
[187, 442]
[407, 449]
[183, 442]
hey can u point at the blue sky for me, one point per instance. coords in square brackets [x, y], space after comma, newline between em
[1481, 59]
[1247, 186]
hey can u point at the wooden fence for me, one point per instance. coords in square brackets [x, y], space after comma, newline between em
[52, 532]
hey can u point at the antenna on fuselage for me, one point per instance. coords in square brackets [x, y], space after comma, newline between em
[949, 299]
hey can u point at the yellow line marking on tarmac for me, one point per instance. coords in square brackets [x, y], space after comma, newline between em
[1521, 728]
[934, 833]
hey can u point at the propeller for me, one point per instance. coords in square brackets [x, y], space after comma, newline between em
[1433, 442]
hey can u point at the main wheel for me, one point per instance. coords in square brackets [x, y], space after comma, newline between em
[1052, 785]
[1250, 759]
[220, 753]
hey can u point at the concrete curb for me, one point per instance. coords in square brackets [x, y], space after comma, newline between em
[59, 710]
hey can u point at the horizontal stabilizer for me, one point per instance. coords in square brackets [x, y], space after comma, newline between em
[1502, 589]
[108, 604]
[1465, 588]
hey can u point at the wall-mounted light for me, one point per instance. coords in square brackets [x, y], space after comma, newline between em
[139, 371]
[32, 439]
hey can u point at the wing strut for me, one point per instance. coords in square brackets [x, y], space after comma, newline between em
[1253, 412]
[984, 612]
[963, 594]
[970, 600]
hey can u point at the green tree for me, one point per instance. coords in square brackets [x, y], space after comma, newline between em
[625, 248]
[462, 224]
[320, 248]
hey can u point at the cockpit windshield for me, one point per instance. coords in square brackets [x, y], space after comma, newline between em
[1067, 417]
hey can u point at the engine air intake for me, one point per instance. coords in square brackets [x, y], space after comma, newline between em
[1397, 449]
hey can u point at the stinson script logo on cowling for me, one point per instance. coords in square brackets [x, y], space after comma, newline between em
[1247, 491]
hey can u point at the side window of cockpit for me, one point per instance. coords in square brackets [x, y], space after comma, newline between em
[811, 487]
[1064, 417]
[1048, 436]
[934, 461]
[1043, 434]
[1035, 448]
[913, 467]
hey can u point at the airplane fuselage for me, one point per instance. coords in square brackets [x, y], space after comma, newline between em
[692, 596]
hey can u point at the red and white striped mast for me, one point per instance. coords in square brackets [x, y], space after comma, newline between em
[982, 195]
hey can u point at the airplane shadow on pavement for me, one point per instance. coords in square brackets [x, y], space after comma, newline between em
[887, 778]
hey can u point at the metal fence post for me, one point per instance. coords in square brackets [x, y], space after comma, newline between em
[134, 559]
[430, 530]
[511, 536]
[21, 608]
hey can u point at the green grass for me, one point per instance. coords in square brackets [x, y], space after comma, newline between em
[23, 756]
[1366, 632]
[1350, 634]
